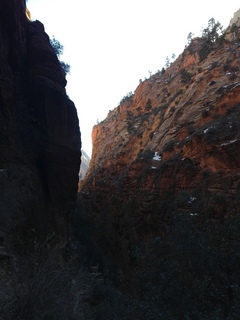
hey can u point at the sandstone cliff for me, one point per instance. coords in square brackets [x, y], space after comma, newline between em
[163, 185]
[39, 154]
[40, 127]
[84, 165]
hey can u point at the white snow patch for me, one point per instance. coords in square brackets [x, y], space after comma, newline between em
[227, 143]
[157, 157]
[191, 199]
[154, 167]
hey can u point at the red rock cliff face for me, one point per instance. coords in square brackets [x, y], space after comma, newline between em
[167, 154]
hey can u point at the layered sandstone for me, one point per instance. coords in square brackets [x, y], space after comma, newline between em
[169, 124]
[163, 183]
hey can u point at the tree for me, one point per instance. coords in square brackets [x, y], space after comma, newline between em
[58, 49]
[213, 31]
[167, 63]
[127, 97]
[190, 37]
[185, 76]
[148, 105]
[66, 67]
[210, 35]
[57, 46]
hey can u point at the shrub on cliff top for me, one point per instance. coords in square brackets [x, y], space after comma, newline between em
[58, 49]
[210, 35]
[126, 98]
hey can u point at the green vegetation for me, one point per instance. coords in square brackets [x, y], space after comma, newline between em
[210, 35]
[213, 32]
[57, 46]
[58, 49]
[127, 97]
[148, 106]
[190, 37]
[185, 76]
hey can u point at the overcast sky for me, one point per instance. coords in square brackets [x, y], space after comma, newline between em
[112, 44]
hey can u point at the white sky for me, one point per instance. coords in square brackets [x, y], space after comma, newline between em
[111, 44]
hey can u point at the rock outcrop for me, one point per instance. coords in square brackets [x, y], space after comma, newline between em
[235, 19]
[163, 186]
[40, 128]
[85, 159]
[39, 151]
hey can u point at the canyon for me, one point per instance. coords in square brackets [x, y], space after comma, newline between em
[152, 230]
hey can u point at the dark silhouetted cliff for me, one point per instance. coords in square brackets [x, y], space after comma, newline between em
[39, 159]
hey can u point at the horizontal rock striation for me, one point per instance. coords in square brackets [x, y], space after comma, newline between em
[165, 174]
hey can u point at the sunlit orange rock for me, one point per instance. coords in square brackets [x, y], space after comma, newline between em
[171, 147]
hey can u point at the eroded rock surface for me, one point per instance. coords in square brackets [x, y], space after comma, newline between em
[163, 186]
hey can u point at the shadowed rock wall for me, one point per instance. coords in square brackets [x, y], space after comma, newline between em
[40, 127]
[40, 146]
